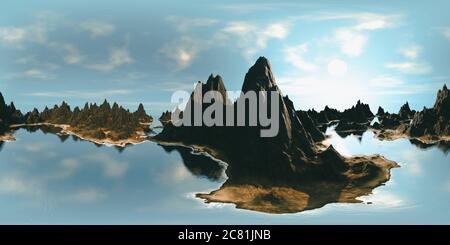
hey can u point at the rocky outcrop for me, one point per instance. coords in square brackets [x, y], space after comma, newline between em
[8, 115]
[359, 113]
[405, 112]
[165, 117]
[380, 111]
[142, 115]
[93, 120]
[292, 160]
[325, 116]
[433, 121]
[310, 125]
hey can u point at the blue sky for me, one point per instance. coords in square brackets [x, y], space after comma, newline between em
[322, 52]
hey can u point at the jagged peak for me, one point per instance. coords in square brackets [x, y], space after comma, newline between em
[262, 61]
[2, 99]
[215, 82]
[445, 87]
[259, 77]
[405, 106]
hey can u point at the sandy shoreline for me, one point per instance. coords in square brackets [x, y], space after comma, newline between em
[7, 137]
[393, 134]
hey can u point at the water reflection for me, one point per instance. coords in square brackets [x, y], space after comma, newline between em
[50, 129]
[356, 134]
[44, 181]
[199, 164]
[443, 145]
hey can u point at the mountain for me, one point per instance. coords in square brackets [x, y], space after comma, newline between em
[359, 113]
[165, 117]
[94, 120]
[405, 112]
[294, 160]
[433, 121]
[8, 115]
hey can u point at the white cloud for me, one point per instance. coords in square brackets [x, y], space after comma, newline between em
[446, 32]
[294, 55]
[12, 35]
[410, 67]
[35, 147]
[253, 38]
[18, 185]
[112, 167]
[81, 94]
[384, 199]
[36, 74]
[352, 42]
[386, 81]
[87, 195]
[117, 58]
[353, 39]
[184, 51]
[37, 32]
[365, 20]
[303, 90]
[73, 54]
[411, 52]
[186, 24]
[373, 25]
[97, 28]
[248, 36]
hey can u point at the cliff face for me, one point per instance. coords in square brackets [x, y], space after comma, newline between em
[434, 121]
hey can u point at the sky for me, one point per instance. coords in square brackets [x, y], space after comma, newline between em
[322, 52]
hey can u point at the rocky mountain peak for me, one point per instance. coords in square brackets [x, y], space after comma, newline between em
[3, 106]
[215, 83]
[380, 111]
[259, 77]
[442, 104]
[406, 112]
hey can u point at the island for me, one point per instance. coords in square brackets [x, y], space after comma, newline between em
[290, 172]
[101, 124]
[9, 115]
[428, 126]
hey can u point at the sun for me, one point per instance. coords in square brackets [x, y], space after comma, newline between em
[337, 67]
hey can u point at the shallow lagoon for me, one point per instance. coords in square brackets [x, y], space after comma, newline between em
[44, 180]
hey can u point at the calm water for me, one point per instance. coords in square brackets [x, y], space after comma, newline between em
[44, 180]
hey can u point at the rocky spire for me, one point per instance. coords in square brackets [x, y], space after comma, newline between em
[434, 121]
[380, 111]
[3, 107]
[259, 77]
[405, 111]
[215, 83]
[442, 104]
